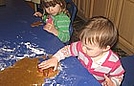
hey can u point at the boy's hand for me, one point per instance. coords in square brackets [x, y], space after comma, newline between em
[52, 62]
[108, 81]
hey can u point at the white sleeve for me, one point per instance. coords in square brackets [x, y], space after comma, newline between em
[63, 53]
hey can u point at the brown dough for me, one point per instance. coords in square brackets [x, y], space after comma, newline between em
[36, 24]
[25, 73]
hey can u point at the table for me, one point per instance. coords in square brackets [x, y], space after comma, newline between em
[18, 39]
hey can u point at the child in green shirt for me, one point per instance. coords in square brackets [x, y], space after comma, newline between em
[57, 18]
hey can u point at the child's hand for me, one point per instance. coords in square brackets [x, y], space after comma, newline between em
[50, 28]
[52, 62]
[38, 14]
[108, 81]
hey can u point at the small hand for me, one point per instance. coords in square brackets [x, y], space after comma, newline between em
[38, 14]
[50, 28]
[52, 62]
[108, 81]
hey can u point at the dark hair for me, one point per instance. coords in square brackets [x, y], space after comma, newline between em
[99, 30]
[49, 3]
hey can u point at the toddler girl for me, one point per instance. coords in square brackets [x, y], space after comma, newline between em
[56, 18]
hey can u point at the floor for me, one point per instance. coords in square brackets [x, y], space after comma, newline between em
[78, 23]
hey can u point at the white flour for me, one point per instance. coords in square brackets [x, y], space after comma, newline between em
[10, 54]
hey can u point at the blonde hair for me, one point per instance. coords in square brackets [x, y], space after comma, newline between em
[62, 3]
[99, 30]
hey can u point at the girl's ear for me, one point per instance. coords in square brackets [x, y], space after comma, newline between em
[107, 48]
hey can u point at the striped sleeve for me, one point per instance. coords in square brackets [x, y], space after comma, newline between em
[62, 24]
[63, 53]
[66, 51]
[75, 48]
[117, 74]
[117, 71]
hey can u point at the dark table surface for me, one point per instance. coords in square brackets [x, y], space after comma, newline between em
[18, 40]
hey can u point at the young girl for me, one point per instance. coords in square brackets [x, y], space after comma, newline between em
[93, 51]
[56, 18]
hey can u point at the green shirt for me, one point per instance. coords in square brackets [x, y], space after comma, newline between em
[61, 23]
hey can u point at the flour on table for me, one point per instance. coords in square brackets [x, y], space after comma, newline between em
[10, 53]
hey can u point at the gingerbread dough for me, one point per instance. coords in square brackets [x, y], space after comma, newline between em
[36, 24]
[25, 73]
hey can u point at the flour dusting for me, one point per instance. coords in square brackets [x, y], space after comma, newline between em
[10, 53]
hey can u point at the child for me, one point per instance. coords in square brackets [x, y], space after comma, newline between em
[93, 51]
[57, 18]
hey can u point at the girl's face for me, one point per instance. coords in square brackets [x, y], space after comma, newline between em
[53, 10]
[93, 50]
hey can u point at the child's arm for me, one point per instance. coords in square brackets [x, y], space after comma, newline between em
[63, 29]
[51, 28]
[63, 53]
[52, 62]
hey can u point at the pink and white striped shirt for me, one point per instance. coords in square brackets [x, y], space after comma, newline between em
[109, 65]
